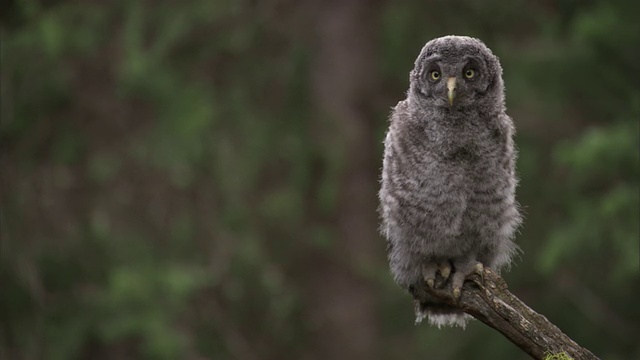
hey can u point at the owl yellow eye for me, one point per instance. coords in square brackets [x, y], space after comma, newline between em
[435, 75]
[470, 73]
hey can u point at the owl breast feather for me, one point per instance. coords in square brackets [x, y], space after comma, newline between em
[447, 205]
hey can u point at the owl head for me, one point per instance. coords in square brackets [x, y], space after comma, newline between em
[457, 72]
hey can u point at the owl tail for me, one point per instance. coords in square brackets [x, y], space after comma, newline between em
[440, 315]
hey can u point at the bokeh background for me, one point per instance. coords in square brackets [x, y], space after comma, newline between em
[196, 179]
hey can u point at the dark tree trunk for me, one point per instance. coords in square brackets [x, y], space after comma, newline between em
[344, 77]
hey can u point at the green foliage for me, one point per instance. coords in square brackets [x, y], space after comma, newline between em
[145, 303]
[558, 356]
[599, 168]
[602, 214]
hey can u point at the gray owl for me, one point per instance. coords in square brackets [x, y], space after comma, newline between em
[447, 197]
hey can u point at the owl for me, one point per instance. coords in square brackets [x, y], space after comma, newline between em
[447, 196]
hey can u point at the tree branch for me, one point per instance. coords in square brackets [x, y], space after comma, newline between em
[489, 301]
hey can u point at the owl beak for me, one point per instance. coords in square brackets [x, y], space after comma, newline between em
[451, 87]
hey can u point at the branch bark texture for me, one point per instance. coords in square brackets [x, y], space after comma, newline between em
[489, 301]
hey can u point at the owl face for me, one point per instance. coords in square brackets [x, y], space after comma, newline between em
[456, 72]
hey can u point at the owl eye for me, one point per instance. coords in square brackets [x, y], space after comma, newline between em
[470, 73]
[435, 75]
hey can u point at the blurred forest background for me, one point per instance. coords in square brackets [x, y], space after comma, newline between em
[197, 179]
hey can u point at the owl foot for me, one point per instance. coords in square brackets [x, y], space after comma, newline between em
[429, 271]
[463, 269]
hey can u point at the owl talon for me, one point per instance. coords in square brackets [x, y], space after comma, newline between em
[429, 274]
[445, 270]
[479, 268]
[457, 292]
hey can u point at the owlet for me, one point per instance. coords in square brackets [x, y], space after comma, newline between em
[447, 196]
